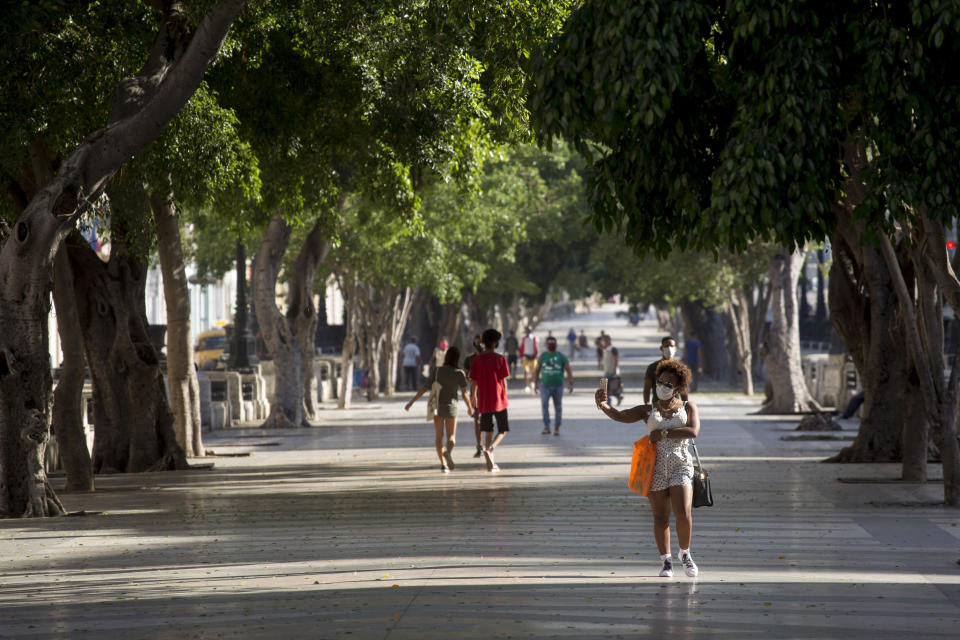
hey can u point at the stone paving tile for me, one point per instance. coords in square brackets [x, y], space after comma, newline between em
[348, 530]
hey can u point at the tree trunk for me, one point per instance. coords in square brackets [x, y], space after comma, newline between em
[936, 263]
[286, 410]
[925, 350]
[302, 310]
[781, 350]
[134, 425]
[349, 289]
[25, 378]
[181, 375]
[863, 311]
[374, 309]
[758, 303]
[449, 325]
[708, 327]
[740, 328]
[144, 106]
[68, 396]
[914, 432]
[396, 325]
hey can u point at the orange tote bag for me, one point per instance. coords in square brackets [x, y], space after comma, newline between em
[641, 468]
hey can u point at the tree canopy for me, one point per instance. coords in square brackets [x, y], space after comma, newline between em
[712, 124]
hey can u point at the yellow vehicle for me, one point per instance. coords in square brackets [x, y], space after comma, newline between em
[210, 346]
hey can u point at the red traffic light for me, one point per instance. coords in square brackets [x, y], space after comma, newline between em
[951, 245]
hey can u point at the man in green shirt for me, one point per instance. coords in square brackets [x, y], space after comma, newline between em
[548, 380]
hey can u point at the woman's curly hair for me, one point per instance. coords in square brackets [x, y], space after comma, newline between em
[680, 370]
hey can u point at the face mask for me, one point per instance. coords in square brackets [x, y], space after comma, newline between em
[551, 348]
[664, 393]
[443, 345]
[478, 346]
[668, 351]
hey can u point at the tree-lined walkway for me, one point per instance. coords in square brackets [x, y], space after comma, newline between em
[350, 530]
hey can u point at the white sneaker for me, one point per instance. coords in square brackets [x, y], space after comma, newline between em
[689, 566]
[667, 571]
[491, 463]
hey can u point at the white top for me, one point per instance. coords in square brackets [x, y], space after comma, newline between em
[528, 346]
[670, 445]
[410, 354]
[610, 365]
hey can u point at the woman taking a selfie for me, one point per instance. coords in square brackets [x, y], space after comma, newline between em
[672, 423]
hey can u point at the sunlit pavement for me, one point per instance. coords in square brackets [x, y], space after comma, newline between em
[350, 530]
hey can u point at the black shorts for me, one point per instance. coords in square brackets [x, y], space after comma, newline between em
[486, 421]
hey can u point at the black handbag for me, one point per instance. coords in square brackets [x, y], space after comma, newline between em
[702, 495]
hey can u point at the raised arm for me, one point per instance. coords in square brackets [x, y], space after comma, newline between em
[635, 414]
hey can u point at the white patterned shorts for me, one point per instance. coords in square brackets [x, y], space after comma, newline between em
[674, 466]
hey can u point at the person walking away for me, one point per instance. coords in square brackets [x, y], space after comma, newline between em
[412, 361]
[599, 342]
[511, 348]
[467, 363]
[436, 359]
[572, 339]
[671, 423]
[691, 358]
[611, 369]
[451, 379]
[668, 348]
[529, 350]
[489, 394]
[582, 343]
[548, 377]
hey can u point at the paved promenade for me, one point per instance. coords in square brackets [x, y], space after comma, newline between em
[349, 530]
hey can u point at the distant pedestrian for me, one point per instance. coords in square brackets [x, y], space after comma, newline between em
[691, 358]
[489, 394]
[583, 343]
[511, 347]
[611, 369]
[668, 349]
[572, 339]
[529, 350]
[438, 354]
[548, 377]
[671, 423]
[611, 358]
[412, 361]
[599, 343]
[467, 363]
[450, 379]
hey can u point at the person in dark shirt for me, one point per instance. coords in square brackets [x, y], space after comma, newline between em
[691, 358]
[477, 348]
[668, 348]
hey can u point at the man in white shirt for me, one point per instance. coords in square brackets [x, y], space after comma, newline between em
[611, 370]
[529, 350]
[411, 365]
